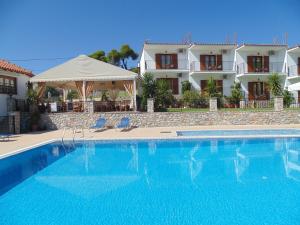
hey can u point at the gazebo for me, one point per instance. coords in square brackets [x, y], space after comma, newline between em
[86, 75]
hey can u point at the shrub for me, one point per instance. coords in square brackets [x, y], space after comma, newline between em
[236, 93]
[194, 100]
[288, 98]
[163, 97]
[185, 86]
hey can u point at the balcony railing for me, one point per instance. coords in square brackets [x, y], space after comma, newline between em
[195, 66]
[294, 70]
[8, 89]
[274, 67]
[181, 65]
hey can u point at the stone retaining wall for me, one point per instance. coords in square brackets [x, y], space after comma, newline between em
[165, 119]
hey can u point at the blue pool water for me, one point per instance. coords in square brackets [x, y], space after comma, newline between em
[170, 182]
[264, 132]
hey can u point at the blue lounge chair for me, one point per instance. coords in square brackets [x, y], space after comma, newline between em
[100, 124]
[124, 123]
[4, 136]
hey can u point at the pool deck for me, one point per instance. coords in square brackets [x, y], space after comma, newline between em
[23, 141]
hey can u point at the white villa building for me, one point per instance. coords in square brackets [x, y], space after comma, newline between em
[249, 64]
[13, 82]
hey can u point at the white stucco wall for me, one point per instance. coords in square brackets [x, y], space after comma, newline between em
[21, 89]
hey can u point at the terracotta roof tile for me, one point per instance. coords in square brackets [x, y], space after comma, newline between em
[5, 65]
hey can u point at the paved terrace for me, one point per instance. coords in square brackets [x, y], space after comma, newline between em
[20, 142]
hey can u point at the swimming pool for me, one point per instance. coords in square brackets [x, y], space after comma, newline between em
[181, 181]
[240, 133]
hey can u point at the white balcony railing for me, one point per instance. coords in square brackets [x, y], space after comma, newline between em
[181, 65]
[195, 66]
[294, 70]
[274, 67]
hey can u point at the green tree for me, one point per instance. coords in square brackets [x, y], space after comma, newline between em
[163, 95]
[148, 88]
[125, 53]
[236, 93]
[72, 95]
[185, 86]
[274, 83]
[99, 55]
[114, 57]
[288, 98]
[54, 92]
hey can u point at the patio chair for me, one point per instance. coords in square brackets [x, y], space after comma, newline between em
[4, 136]
[100, 124]
[124, 123]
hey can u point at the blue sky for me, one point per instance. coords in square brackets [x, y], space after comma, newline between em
[41, 29]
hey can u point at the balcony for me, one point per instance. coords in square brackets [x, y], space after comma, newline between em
[227, 66]
[181, 65]
[272, 67]
[294, 71]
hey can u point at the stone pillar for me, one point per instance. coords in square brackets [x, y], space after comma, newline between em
[278, 104]
[150, 105]
[14, 122]
[213, 104]
[242, 104]
[89, 106]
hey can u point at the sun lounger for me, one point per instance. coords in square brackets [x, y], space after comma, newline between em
[124, 123]
[100, 124]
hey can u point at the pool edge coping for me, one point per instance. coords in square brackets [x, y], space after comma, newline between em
[20, 150]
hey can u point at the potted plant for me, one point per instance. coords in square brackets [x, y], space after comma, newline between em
[34, 120]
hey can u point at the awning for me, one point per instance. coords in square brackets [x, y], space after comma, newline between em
[294, 87]
[84, 68]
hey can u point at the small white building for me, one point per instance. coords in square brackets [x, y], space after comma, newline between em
[254, 63]
[13, 82]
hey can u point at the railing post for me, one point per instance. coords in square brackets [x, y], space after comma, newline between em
[213, 104]
[278, 104]
[150, 105]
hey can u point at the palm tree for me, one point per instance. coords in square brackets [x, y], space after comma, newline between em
[274, 83]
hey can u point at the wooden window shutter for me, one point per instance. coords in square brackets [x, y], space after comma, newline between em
[219, 84]
[219, 62]
[250, 64]
[251, 90]
[202, 63]
[266, 64]
[266, 91]
[158, 61]
[175, 86]
[203, 85]
[174, 61]
[299, 66]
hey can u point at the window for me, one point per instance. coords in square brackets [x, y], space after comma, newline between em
[210, 62]
[8, 85]
[166, 61]
[258, 91]
[173, 84]
[218, 83]
[257, 63]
